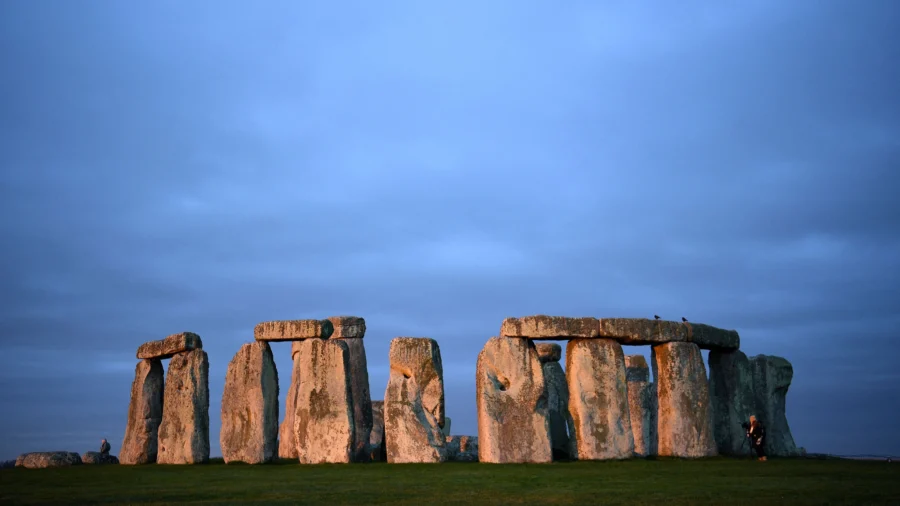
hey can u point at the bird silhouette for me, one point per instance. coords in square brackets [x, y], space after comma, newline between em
[656, 316]
[684, 319]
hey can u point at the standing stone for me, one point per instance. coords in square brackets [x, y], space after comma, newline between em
[376, 437]
[250, 406]
[445, 430]
[598, 400]
[640, 405]
[287, 436]
[145, 412]
[731, 398]
[184, 431]
[324, 418]
[557, 397]
[414, 402]
[771, 379]
[351, 330]
[684, 417]
[511, 398]
[462, 448]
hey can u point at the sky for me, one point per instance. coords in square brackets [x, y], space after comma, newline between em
[204, 166]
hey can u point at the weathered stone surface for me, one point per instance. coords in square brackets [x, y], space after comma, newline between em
[772, 377]
[462, 448]
[511, 398]
[287, 435]
[558, 405]
[641, 331]
[98, 458]
[731, 399]
[348, 327]
[684, 417]
[376, 437]
[414, 402]
[293, 330]
[640, 405]
[250, 406]
[324, 415]
[598, 400]
[166, 348]
[184, 431]
[708, 337]
[548, 352]
[145, 412]
[360, 396]
[550, 327]
[41, 460]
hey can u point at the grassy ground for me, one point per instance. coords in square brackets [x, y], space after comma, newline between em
[713, 481]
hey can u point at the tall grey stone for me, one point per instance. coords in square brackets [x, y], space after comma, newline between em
[414, 402]
[352, 330]
[287, 436]
[250, 406]
[184, 430]
[731, 398]
[640, 405]
[598, 400]
[771, 379]
[511, 399]
[145, 412]
[376, 437]
[684, 417]
[557, 397]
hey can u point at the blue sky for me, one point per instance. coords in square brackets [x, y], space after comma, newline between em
[204, 166]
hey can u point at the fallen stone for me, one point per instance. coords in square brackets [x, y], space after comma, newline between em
[287, 436]
[640, 405]
[249, 430]
[348, 327]
[550, 327]
[772, 378]
[98, 458]
[414, 402]
[684, 417]
[641, 331]
[168, 347]
[708, 337]
[462, 448]
[184, 431]
[293, 330]
[324, 414]
[557, 398]
[145, 413]
[598, 400]
[376, 437]
[731, 399]
[548, 352]
[511, 398]
[42, 460]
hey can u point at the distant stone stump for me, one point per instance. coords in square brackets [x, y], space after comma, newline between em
[462, 448]
[98, 458]
[145, 412]
[42, 460]
[184, 430]
[250, 406]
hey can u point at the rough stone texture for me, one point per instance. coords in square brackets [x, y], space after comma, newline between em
[359, 393]
[250, 406]
[731, 399]
[287, 436]
[184, 431]
[684, 417]
[293, 330]
[41, 460]
[98, 458]
[324, 415]
[548, 352]
[558, 405]
[511, 398]
[641, 331]
[771, 379]
[640, 405]
[376, 437]
[414, 402]
[462, 448]
[708, 337]
[550, 327]
[346, 327]
[598, 400]
[145, 412]
[168, 347]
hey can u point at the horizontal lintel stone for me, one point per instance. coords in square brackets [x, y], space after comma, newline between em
[346, 327]
[170, 346]
[293, 330]
[550, 327]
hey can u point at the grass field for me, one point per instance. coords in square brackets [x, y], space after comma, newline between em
[712, 481]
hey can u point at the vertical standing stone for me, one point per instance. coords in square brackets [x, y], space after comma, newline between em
[376, 438]
[771, 379]
[324, 418]
[684, 418]
[184, 431]
[145, 413]
[640, 405]
[287, 436]
[414, 402]
[557, 397]
[250, 406]
[731, 398]
[598, 400]
[511, 398]
[351, 330]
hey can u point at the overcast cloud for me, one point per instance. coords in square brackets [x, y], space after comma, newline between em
[204, 166]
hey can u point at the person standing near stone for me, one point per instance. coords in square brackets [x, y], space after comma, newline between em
[756, 433]
[104, 447]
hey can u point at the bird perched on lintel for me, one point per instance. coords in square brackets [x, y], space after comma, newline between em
[684, 319]
[656, 317]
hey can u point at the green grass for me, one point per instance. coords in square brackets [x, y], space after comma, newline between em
[711, 481]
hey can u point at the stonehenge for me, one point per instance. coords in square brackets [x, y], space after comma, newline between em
[602, 405]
